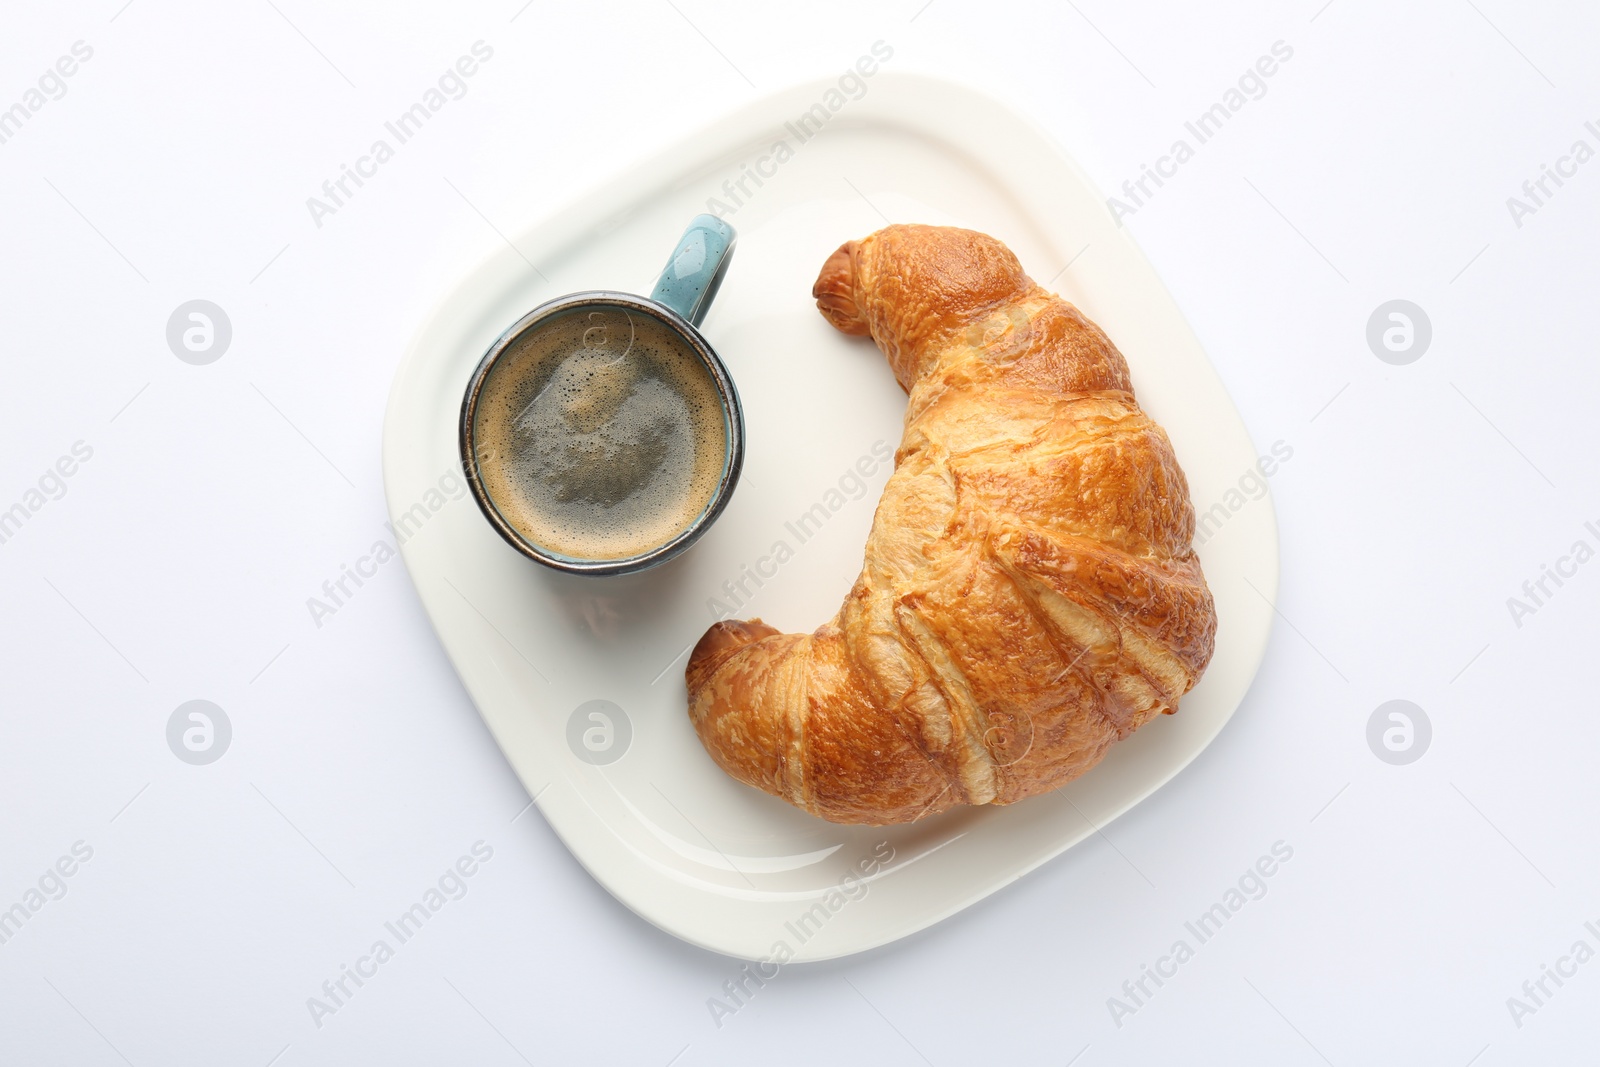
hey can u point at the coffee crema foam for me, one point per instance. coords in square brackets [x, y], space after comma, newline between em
[600, 434]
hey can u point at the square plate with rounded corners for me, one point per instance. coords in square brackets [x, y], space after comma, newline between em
[625, 783]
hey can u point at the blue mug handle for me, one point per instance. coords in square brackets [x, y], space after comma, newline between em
[694, 273]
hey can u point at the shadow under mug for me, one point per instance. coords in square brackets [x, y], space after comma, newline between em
[680, 300]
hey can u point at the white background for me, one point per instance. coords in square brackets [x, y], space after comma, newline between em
[218, 499]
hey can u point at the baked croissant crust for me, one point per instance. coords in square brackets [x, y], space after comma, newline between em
[1030, 593]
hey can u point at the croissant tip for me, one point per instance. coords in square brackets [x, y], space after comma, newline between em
[722, 640]
[835, 291]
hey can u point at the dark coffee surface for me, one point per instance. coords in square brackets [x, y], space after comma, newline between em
[600, 434]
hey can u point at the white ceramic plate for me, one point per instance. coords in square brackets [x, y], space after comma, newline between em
[703, 857]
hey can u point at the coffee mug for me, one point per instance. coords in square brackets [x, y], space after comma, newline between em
[601, 433]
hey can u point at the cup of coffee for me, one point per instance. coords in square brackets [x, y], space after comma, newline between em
[601, 433]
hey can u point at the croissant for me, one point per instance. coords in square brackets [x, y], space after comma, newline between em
[1030, 594]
